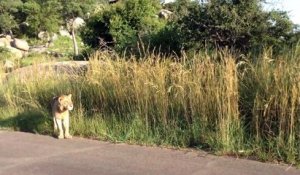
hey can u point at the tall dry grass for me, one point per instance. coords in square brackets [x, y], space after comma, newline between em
[270, 103]
[208, 101]
[198, 98]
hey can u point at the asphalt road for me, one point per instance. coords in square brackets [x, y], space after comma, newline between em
[30, 154]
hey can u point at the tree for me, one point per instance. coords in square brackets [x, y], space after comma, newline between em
[169, 39]
[237, 24]
[278, 33]
[73, 9]
[8, 9]
[42, 16]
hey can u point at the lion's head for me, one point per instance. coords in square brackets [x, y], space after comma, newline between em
[65, 102]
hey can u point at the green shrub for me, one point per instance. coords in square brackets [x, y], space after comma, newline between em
[123, 25]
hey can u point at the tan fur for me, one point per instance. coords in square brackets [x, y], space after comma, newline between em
[61, 106]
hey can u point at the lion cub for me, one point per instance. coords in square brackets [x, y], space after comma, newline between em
[61, 106]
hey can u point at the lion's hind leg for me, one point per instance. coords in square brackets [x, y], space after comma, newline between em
[54, 124]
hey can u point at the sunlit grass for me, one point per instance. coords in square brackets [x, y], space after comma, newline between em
[210, 102]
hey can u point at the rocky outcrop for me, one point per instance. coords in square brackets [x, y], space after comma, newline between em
[34, 72]
[17, 47]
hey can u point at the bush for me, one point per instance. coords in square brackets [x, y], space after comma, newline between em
[237, 25]
[123, 25]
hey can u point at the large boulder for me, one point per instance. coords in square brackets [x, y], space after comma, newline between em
[20, 44]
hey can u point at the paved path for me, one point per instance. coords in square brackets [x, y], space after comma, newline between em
[24, 153]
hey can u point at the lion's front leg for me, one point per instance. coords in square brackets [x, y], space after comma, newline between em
[66, 123]
[60, 128]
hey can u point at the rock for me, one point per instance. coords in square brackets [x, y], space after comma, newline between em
[43, 35]
[64, 32]
[20, 44]
[14, 46]
[5, 42]
[46, 36]
[165, 14]
[54, 37]
[38, 49]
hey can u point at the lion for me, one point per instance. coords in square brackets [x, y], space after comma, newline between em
[61, 105]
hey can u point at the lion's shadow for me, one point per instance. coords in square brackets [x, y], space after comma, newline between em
[29, 121]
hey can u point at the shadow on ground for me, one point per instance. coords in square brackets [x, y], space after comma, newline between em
[29, 121]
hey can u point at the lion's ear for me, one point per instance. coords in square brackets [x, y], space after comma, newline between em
[70, 96]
